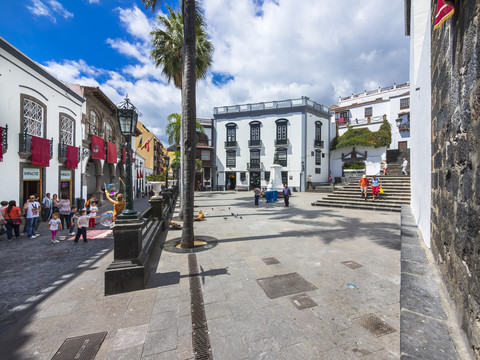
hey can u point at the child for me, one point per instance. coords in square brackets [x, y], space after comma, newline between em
[82, 224]
[93, 213]
[54, 224]
[73, 210]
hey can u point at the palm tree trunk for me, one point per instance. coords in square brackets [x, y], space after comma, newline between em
[189, 117]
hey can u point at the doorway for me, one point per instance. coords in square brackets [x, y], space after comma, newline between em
[230, 181]
[254, 179]
[402, 145]
[31, 187]
[66, 184]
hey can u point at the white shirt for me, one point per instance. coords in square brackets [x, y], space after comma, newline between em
[93, 210]
[33, 209]
[405, 163]
[83, 221]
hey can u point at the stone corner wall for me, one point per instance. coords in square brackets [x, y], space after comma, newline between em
[455, 216]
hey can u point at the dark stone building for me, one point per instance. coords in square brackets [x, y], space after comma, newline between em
[455, 217]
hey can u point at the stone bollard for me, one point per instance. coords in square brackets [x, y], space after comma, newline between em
[127, 239]
[167, 197]
[156, 202]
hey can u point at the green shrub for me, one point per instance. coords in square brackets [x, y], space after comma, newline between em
[364, 137]
[354, 166]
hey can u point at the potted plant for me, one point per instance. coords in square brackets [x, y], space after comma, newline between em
[156, 181]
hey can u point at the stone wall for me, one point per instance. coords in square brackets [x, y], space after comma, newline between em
[455, 231]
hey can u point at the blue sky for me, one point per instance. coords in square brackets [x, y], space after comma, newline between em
[264, 49]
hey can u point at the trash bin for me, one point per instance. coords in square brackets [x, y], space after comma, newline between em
[80, 204]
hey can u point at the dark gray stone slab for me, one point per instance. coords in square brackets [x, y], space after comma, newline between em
[425, 338]
[416, 268]
[283, 285]
[303, 301]
[413, 253]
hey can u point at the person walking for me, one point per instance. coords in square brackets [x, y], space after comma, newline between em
[93, 213]
[385, 169]
[363, 183]
[257, 193]
[12, 218]
[54, 204]
[73, 210]
[404, 166]
[82, 225]
[286, 194]
[309, 182]
[32, 211]
[376, 183]
[46, 207]
[54, 224]
[3, 228]
[64, 208]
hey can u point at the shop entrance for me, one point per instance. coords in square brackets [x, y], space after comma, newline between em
[32, 184]
[230, 181]
[66, 184]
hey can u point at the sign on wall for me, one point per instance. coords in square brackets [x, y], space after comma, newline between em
[31, 174]
[65, 175]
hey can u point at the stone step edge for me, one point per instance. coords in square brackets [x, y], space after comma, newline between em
[373, 208]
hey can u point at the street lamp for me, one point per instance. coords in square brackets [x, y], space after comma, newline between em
[127, 115]
[167, 160]
[398, 121]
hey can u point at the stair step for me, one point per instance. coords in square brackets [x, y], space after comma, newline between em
[373, 207]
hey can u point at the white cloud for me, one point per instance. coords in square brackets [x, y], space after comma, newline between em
[49, 9]
[94, 1]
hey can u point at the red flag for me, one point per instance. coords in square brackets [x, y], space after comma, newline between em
[148, 145]
[40, 151]
[138, 174]
[111, 153]
[98, 148]
[1, 144]
[124, 155]
[141, 174]
[72, 157]
[445, 10]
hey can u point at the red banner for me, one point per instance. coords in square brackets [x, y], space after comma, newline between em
[111, 153]
[72, 157]
[138, 174]
[445, 10]
[124, 155]
[98, 148]
[1, 144]
[40, 151]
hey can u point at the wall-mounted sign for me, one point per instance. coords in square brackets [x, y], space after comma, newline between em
[291, 177]
[65, 175]
[31, 174]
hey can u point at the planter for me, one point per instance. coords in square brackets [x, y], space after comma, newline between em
[156, 187]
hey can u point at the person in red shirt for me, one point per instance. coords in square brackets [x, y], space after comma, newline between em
[363, 183]
[12, 219]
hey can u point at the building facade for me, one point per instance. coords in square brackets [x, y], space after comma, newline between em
[250, 138]
[204, 152]
[41, 132]
[369, 110]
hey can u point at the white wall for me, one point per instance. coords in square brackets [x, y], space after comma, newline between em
[420, 103]
[373, 162]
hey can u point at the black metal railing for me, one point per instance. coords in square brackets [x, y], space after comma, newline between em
[281, 142]
[318, 144]
[255, 143]
[404, 126]
[277, 161]
[254, 165]
[25, 144]
[62, 150]
[230, 162]
[4, 139]
[230, 144]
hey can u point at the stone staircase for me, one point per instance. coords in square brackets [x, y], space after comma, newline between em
[396, 193]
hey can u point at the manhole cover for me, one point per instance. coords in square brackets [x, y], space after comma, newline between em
[375, 325]
[270, 261]
[81, 347]
[303, 301]
[282, 285]
[56, 252]
[351, 264]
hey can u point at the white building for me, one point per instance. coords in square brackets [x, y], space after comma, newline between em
[41, 128]
[250, 138]
[369, 110]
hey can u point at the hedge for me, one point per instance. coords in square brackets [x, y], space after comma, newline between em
[364, 137]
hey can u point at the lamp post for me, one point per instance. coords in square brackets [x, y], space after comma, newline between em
[398, 121]
[167, 160]
[127, 115]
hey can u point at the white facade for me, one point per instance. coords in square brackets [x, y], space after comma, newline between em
[33, 102]
[293, 133]
[420, 85]
[369, 110]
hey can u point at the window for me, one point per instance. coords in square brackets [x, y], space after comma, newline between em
[206, 173]
[267, 176]
[341, 118]
[281, 157]
[231, 159]
[318, 157]
[205, 155]
[368, 112]
[33, 117]
[66, 130]
[318, 131]
[255, 132]
[282, 130]
[318, 170]
[255, 159]
[285, 177]
[231, 135]
[108, 131]
[404, 103]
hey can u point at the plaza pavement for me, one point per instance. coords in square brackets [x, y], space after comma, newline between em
[243, 322]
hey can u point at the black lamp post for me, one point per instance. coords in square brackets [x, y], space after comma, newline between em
[167, 160]
[127, 115]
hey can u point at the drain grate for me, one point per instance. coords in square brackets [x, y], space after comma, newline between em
[351, 264]
[375, 325]
[270, 261]
[200, 336]
[303, 301]
[83, 347]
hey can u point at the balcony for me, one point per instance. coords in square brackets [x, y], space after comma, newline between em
[91, 129]
[230, 163]
[255, 166]
[343, 122]
[318, 144]
[255, 144]
[25, 146]
[281, 142]
[62, 152]
[230, 144]
[404, 127]
[4, 139]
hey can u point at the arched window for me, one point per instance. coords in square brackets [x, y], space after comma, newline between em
[231, 135]
[94, 123]
[108, 131]
[33, 116]
[255, 133]
[67, 130]
[318, 131]
[282, 136]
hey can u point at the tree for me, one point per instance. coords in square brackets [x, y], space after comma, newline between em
[174, 128]
[189, 76]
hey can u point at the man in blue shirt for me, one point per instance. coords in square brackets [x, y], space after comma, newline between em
[286, 194]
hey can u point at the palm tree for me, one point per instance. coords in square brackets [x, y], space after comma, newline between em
[174, 128]
[190, 16]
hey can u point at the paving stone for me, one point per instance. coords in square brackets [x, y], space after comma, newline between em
[160, 341]
[416, 268]
[59, 309]
[215, 310]
[228, 347]
[130, 353]
[129, 337]
[163, 320]
[413, 253]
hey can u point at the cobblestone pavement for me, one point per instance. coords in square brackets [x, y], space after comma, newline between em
[243, 322]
